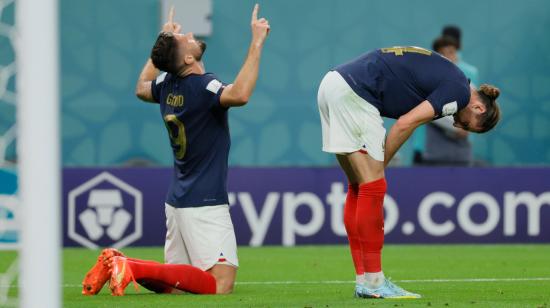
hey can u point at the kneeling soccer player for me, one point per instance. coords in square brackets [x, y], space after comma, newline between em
[194, 106]
[414, 86]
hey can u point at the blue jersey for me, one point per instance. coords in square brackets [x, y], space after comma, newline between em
[199, 135]
[397, 79]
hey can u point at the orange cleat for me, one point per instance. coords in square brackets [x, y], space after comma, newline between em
[121, 276]
[98, 275]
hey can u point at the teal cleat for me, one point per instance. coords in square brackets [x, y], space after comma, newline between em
[387, 290]
[358, 290]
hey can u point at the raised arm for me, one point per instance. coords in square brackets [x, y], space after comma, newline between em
[143, 86]
[149, 72]
[238, 93]
[404, 127]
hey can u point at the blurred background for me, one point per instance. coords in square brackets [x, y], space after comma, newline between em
[105, 43]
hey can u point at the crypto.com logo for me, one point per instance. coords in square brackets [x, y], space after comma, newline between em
[101, 212]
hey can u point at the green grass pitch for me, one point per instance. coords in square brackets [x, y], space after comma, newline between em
[322, 276]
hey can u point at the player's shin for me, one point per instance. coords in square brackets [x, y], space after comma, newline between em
[178, 276]
[352, 232]
[156, 286]
[370, 226]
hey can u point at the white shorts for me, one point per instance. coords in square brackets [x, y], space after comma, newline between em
[349, 122]
[200, 236]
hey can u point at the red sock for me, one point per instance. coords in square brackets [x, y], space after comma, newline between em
[143, 261]
[370, 223]
[179, 276]
[155, 286]
[150, 284]
[351, 228]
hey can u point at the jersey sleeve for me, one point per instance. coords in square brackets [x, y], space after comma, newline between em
[449, 97]
[214, 88]
[156, 86]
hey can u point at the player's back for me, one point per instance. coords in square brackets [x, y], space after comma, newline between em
[199, 136]
[397, 79]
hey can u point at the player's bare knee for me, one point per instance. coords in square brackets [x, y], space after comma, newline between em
[225, 278]
[224, 286]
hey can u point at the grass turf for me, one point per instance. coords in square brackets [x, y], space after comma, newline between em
[318, 276]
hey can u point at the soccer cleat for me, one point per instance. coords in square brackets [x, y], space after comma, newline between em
[387, 290]
[98, 275]
[121, 276]
[358, 290]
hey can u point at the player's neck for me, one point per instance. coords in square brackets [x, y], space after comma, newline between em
[195, 68]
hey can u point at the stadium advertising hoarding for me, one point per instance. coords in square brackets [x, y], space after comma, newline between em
[294, 206]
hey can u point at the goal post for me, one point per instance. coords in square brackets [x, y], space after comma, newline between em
[38, 150]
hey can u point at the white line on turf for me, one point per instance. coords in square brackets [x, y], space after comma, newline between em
[350, 281]
[479, 280]
[401, 281]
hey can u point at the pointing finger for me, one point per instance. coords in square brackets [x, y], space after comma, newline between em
[255, 12]
[171, 15]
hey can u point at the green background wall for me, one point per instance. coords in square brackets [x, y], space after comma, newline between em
[105, 43]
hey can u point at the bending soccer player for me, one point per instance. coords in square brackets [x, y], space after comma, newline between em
[414, 86]
[200, 248]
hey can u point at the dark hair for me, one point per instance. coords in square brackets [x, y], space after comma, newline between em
[454, 32]
[165, 53]
[444, 41]
[490, 118]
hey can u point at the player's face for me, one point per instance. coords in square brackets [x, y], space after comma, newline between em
[461, 121]
[467, 119]
[191, 46]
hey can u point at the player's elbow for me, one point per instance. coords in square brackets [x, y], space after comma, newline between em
[238, 100]
[235, 95]
[241, 97]
[241, 101]
[233, 102]
[139, 93]
[142, 95]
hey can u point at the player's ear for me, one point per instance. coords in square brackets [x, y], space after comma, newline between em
[479, 107]
[189, 59]
[475, 105]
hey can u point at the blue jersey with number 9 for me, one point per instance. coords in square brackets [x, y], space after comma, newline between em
[199, 136]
